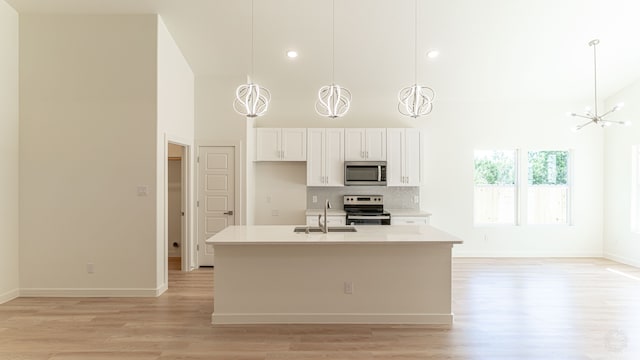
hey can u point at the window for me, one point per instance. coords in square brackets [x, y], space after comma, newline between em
[495, 191]
[548, 190]
[635, 188]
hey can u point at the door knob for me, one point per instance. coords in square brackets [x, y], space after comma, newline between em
[230, 212]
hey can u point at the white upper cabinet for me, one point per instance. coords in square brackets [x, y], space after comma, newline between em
[404, 157]
[325, 157]
[287, 144]
[365, 144]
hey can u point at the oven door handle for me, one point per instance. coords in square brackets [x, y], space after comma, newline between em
[365, 217]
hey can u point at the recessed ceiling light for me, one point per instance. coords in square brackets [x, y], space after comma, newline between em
[433, 53]
[292, 54]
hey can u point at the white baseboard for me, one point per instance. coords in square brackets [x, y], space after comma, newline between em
[99, 292]
[285, 318]
[161, 289]
[622, 259]
[9, 295]
[528, 254]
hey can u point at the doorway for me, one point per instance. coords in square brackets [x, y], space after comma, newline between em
[175, 201]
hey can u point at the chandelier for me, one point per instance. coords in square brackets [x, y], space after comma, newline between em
[590, 114]
[416, 100]
[333, 100]
[251, 100]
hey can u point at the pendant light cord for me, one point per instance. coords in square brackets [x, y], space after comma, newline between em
[252, 16]
[333, 42]
[595, 81]
[415, 43]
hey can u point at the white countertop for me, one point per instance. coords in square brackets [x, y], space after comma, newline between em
[366, 234]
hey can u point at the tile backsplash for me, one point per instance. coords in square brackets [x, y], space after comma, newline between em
[394, 197]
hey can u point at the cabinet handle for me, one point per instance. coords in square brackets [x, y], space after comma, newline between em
[366, 154]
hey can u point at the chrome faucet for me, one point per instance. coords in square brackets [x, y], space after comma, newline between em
[323, 226]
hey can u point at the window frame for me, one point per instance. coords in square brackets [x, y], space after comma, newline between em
[570, 187]
[516, 189]
[635, 190]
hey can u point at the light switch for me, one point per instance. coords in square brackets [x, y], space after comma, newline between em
[143, 190]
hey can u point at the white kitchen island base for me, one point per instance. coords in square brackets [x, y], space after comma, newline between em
[360, 278]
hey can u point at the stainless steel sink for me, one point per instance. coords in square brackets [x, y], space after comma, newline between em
[342, 229]
[307, 229]
[311, 229]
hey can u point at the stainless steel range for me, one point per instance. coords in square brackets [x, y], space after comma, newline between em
[366, 210]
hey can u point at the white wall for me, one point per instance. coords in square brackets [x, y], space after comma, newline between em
[9, 166]
[175, 123]
[280, 193]
[458, 128]
[88, 141]
[620, 242]
[452, 132]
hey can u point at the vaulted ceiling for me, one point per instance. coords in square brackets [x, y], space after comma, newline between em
[490, 49]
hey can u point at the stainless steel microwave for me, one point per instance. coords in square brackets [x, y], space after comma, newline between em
[365, 173]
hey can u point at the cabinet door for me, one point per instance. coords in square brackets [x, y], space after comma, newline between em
[312, 220]
[410, 220]
[315, 157]
[268, 144]
[412, 157]
[354, 144]
[395, 138]
[294, 144]
[336, 220]
[376, 144]
[334, 157]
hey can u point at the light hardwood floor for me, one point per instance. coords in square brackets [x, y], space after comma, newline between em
[505, 309]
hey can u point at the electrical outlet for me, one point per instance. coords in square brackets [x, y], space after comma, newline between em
[275, 212]
[486, 238]
[314, 199]
[416, 199]
[348, 287]
[90, 268]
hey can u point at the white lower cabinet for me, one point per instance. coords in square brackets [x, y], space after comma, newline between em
[409, 220]
[332, 220]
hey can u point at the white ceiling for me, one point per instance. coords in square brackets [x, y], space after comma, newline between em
[490, 49]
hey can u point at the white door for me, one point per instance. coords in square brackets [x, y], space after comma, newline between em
[376, 144]
[412, 155]
[294, 144]
[216, 196]
[268, 144]
[395, 157]
[354, 144]
[334, 157]
[315, 158]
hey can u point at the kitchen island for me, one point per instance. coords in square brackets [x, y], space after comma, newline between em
[377, 275]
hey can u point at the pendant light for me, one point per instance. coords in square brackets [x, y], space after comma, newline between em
[333, 100]
[416, 100]
[251, 100]
[593, 116]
